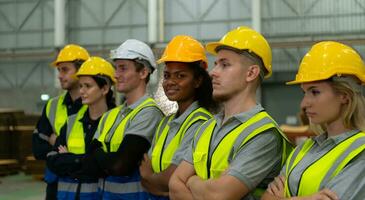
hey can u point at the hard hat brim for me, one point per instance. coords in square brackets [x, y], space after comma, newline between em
[211, 47]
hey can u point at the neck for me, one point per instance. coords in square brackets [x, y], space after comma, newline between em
[134, 95]
[97, 109]
[239, 103]
[336, 128]
[74, 93]
[183, 105]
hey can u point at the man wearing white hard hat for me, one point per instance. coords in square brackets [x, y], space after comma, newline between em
[125, 132]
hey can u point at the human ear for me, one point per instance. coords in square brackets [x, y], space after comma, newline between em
[253, 72]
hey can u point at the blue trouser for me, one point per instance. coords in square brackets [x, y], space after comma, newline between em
[122, 187]
[69, 189]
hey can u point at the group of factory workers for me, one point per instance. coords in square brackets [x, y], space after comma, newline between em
[221, 143]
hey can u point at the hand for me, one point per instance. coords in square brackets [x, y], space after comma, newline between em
[276, 187]
[325, 194]
[62, 149]
[145, 168]
[52, 139]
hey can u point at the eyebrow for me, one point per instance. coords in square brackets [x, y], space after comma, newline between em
[310, 88]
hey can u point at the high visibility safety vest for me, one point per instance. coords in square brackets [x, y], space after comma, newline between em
[161, 158]
[68, 187]
[213, 167]
[56, 113]
[320, 172]
[107, 133]
[75, 133]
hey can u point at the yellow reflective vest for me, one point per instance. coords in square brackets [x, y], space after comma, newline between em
[320, 172]
[75, 133]
[213, 167]
[115, 137]
[56, 113]
[161, 157]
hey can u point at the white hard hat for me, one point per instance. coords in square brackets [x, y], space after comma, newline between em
[133, 49]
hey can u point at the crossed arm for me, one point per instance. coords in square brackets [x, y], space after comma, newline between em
[185, 184]
[275, 191]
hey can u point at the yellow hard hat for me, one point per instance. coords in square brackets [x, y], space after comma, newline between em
[244, 38]
[97, 66]
[327, 59]
[71, 53]
[183, 48]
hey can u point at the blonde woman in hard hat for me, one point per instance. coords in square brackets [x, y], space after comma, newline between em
[239, 151]
[332, 164]
[57, 109]
[96, 77]
[187, 82]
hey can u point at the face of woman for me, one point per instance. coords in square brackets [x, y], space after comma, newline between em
[90, 91]
[179, 83]
[321, 103]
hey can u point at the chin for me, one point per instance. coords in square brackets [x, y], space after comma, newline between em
[219, 97]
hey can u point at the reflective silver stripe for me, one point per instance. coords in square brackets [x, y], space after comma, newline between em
[248, 130]
[122, 188]
[69, 187]
[52, 112]
[116, 123]
[101, 126]
[356, 144]
[43, 136]
[70, 124]
[72, 187]
[51, 153]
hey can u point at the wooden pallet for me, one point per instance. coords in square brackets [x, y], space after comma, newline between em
[9, 166]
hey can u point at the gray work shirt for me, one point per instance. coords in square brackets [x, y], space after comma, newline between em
[258, 161]
[349, 184]
[175, 125]
[143, 124]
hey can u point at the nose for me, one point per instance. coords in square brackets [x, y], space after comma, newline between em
[214, 71]
[304, 104]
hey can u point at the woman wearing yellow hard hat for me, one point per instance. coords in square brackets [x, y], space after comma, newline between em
[187, 82]
[332, 164]
[96, 77]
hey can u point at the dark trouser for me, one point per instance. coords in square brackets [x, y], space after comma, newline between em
[51, 192]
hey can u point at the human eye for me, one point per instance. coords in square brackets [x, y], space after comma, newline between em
[315, 92]
[180, 75]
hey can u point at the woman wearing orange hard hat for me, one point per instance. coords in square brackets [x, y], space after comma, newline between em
[330, 165]
[96, 77]
[187, 82]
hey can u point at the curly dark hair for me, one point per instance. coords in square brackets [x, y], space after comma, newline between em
[204, 91]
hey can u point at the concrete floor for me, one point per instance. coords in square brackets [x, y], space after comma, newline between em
[21, 186]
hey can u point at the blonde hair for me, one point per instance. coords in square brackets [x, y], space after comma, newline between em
[354, 112]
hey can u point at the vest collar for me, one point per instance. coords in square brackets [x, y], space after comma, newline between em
[182, 117]
[68, 100]
[322, 139]
[137, 103]
[240, 117]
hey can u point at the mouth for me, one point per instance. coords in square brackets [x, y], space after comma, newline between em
[171, 91]
[310, 114]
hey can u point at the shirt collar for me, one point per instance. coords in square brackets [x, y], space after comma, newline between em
[86, 118]
[68, 100]
[137, 103]
[180, 119]
[335, 139]
[240, 117]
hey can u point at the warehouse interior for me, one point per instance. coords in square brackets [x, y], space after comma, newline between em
[33, 31]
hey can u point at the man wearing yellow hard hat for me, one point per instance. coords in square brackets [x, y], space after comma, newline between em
[57, 109]
[239, 151]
